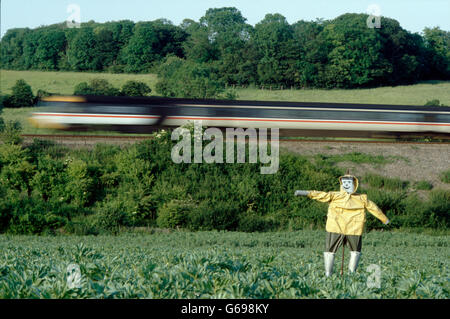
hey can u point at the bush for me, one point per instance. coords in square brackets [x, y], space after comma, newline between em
[135, 88]
[423, 185]
[430, 214]
[434, 103]
[251, 222]
[22, 96]
[30, 215]
[11, 132]
[96, 87]
[112, 213]
[378, 181]
[174, 214]
[445, 177]
[41, 94]
[3, 99]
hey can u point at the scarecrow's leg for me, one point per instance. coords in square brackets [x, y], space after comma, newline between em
[354, 259]
[332, 243]
[329, 260]
[355, 243]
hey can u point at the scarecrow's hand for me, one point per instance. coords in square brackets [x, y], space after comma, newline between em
[301, 193]
[387, 222]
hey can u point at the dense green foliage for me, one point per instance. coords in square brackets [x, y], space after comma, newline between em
[96, 87]
[445, 177]
[22, 95]
[46, 188]
[221, 265]
[103, 87]
[338, 53]
[135, 88]
[181, 78]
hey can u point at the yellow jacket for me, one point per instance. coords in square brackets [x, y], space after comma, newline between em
[346, 213]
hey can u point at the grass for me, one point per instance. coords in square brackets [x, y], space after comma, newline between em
[423, 185]
[64, 82]
[357, 157]
[221, 265]
[378, 181]
[418, 94]
[445, 176]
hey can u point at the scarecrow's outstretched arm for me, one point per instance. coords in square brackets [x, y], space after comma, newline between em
[320, 196]
[376, 211]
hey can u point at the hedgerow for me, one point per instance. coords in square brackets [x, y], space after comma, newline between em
[46, 188]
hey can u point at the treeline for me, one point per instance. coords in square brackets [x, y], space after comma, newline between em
[338, 53]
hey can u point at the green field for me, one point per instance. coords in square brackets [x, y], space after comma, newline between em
[221, 265]
[65, 82]
[419, 94]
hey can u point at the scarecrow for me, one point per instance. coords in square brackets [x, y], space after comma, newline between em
[345, 219]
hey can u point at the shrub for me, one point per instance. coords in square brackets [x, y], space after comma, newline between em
[22, 96]
[250, 222]
[3, 101]
[174, 213]
[445, 176]
[96, 87]
[429, 214]
[220, 215]
[41, 94]
[11, 132]
[434, 102]
[30, 215]
[423, 185]
[112, 213]
[378, 181]
[136, 88]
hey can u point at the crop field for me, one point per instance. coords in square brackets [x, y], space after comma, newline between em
[222, 265]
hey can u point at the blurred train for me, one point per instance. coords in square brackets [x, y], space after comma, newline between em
[144, 114]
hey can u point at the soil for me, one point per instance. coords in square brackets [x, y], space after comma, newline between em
[410, 162]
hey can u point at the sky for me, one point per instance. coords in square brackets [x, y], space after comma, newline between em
[413, 15]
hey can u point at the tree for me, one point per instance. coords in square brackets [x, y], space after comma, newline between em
[51, 44]
[277, 50]
[198, 47]
[351, 53]
[107, 47]
[180, 78]
[228, 34]
[22, 95]
[437, 42]
[96, 87]
[12, 48]
[139, 53]
[135, 88]
[82, 53]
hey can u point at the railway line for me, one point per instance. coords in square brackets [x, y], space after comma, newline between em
[68, 139]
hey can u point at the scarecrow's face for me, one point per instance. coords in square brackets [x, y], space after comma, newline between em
[348, 185]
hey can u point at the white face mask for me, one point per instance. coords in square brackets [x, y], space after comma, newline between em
[348, 185]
